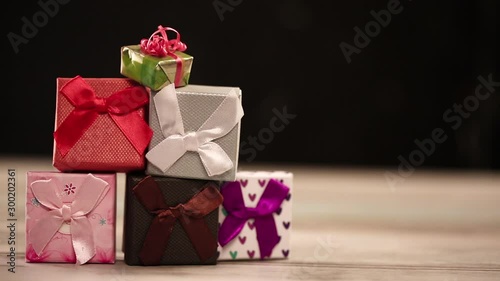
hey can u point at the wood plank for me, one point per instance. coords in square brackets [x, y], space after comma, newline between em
[349, 224]
[247, 271]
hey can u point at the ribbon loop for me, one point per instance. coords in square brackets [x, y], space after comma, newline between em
[90, 194]
[238, 214]
[190, 216]
[176, 143]
[119, 106]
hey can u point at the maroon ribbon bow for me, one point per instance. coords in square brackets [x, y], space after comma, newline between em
[190, 215]
[120, 106]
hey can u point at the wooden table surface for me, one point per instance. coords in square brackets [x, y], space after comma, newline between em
[348, 224]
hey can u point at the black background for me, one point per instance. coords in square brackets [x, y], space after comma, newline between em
[282, 53]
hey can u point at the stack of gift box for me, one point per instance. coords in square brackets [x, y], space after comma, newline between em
[185, 200]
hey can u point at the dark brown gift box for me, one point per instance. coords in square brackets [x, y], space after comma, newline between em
[180, 250]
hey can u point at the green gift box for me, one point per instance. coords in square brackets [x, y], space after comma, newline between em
[152, 71]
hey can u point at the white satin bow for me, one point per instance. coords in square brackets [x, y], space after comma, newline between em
[89, 195]
[177, 142]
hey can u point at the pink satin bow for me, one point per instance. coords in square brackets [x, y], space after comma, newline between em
[90, 194]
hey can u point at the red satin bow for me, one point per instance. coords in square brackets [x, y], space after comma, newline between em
[120, 106]
[161, 46]
[190, 215]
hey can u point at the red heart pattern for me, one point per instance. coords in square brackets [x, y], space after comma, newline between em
[252, 196]
[244, 182]
[242, 239]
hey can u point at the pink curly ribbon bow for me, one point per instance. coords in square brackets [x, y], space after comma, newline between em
[159, 45]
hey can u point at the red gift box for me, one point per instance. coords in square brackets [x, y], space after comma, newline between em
[100, 125]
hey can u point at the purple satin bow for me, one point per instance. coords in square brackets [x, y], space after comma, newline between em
[238, 214]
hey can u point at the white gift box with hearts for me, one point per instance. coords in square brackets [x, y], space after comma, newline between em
[243, 242]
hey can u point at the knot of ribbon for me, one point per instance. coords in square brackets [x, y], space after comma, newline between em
[159, 45]
[120, 106]
[190, 215]
[177, 142]
[101, 106]
[87, 198]
[238, 214]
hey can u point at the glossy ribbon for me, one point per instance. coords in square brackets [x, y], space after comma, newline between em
[190, 215]
[161, 46]
[177, 142]
[89, 195]
[120, 106]
[238, 214]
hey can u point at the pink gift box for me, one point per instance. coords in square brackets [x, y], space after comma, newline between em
[67, 209]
